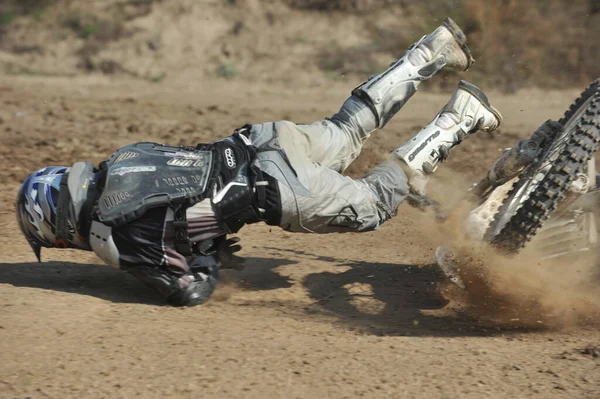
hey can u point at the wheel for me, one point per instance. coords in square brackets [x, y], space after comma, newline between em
[545, 183]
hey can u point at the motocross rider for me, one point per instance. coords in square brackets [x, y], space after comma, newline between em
[163, 213]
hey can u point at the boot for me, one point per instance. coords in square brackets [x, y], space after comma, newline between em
[467, 112]
[387, 92]
[191, 289]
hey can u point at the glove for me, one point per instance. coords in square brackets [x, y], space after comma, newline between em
[225, 251]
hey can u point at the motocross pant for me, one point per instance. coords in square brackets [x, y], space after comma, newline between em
[315, 196]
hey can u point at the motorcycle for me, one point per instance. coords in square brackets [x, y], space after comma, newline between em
[542, 193]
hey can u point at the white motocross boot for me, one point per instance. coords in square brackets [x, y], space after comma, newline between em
[467, 112]
[387, 92]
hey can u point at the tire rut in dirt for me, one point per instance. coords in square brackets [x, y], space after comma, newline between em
[578, 149]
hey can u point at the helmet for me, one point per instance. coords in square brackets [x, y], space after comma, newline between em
[36, 210]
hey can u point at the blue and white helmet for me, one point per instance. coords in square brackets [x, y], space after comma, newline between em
[36, 205]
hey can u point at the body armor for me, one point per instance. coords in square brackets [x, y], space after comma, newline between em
[146, 175]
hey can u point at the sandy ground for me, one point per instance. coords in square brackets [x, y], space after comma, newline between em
[338, 316]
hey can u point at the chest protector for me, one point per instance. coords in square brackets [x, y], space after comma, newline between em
[146, 175]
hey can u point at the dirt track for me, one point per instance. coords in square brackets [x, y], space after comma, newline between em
[312, 316]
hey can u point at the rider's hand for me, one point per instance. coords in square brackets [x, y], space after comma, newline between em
[225, 254]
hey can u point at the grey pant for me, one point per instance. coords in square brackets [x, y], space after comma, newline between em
[318, 198]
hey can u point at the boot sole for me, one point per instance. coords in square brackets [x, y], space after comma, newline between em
[461, 39]
[480, 95]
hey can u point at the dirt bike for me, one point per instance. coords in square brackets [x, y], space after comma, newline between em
[543, 192]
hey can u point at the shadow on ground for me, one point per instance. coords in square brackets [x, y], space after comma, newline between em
[374, 298]
[392, 299]
[114, 285]
[84, 279]
[259, 274]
